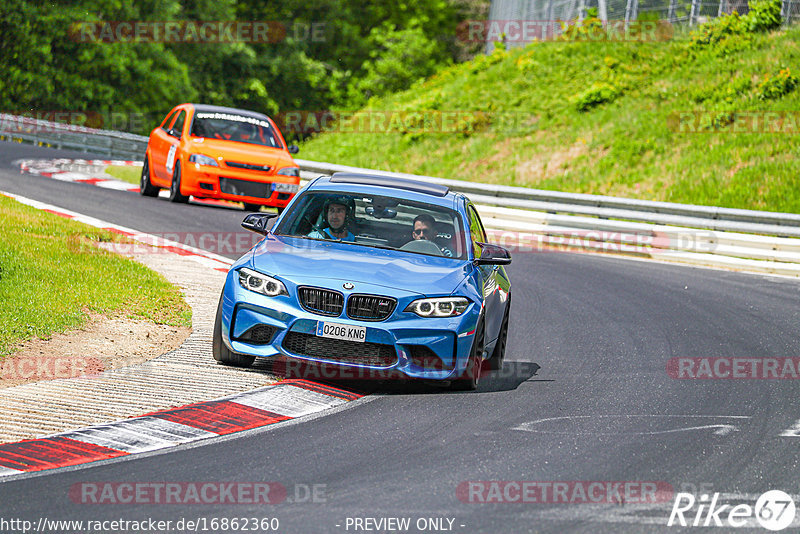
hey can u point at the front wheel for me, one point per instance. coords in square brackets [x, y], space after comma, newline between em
[499, 354]
[175, 187]
[252, 207]
[472, 374]
[146, 187]
[220, 350]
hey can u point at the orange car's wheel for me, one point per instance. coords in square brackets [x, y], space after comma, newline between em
[175, 187]
[146, 187]
[252, 207]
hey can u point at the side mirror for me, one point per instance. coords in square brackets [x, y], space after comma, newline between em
[260, 223]
[493, 255]
[174, 133]
[293, 149]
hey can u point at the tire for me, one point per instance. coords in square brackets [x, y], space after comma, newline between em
[220, 350]
[499, 354]
[472, 374]
[252, 207]
[146, 187]
[175, 187]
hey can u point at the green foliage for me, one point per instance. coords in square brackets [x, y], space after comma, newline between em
[51, 273]
[772, 87]
[400, 58]
[584, 30]
[730, 33]
[728, 148]
[719, 31]
[49, 68]
[764, 15]
[331, 54]
[597, 94]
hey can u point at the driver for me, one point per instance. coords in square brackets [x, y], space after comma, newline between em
[337, 217]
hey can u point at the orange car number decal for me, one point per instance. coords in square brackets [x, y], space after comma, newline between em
[171, 157]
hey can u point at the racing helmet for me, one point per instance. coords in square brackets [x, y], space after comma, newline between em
[348, 202]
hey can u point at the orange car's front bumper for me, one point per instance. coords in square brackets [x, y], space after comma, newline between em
[238, 185]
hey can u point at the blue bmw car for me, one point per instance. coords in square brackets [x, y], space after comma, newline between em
[373, 274]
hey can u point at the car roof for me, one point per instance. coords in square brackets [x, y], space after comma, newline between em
[388, 186]
[389, 181]
[206, 108]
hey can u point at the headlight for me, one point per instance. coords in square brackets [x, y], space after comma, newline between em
[261, 283]
[202, 159]
[289, 171]
[438, 307]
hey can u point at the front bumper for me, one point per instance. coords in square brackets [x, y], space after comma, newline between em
[224, 183]
[410, 346]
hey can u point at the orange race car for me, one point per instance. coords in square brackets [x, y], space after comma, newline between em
[222, 153]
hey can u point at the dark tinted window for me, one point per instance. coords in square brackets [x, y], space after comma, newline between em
[381, 222]
[232, 127]
[168, 121]
[476, 231]
[179, 122]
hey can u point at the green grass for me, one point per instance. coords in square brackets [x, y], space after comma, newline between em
[51, 275]
[623, 143]
[126, 173]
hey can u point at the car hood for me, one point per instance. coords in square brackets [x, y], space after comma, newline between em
[241, 152]
[303, 260]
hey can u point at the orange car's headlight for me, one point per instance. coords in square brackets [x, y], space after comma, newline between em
[289, 171]
[202, 159]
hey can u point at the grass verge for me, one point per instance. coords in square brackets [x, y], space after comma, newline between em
[126, 173]
[51, 274]
[680, 121]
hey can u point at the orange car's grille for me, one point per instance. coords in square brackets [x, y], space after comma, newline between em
[245, 188]
[249, 166]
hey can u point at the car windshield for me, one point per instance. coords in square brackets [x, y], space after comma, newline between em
[232, 127]
[376, 221]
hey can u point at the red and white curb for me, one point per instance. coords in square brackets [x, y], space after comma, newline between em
[283, 401]
[286, 400]
[80, 171]
[74, 170]
[209, 259]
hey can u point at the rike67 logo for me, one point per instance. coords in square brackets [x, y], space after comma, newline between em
[774, 510]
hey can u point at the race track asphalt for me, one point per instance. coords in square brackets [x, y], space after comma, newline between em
[585, 396]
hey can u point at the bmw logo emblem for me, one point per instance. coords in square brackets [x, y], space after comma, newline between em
[348, 285]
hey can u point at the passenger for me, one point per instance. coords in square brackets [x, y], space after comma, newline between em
[424, 227]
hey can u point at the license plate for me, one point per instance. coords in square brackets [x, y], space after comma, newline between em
[342, 331]
[285, 188]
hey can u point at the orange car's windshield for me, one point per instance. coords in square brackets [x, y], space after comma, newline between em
[232, 127]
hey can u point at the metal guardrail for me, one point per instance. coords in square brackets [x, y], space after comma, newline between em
[604, 207]
[121, 145]
[112, 144]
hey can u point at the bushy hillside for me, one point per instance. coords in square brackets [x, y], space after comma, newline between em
[707, 118]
